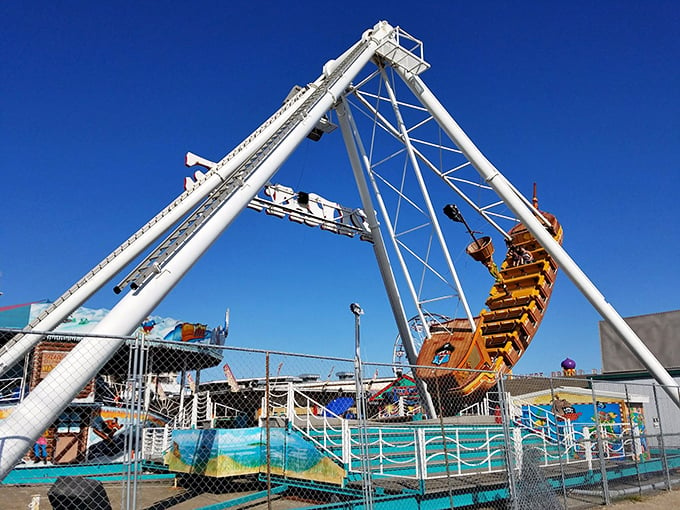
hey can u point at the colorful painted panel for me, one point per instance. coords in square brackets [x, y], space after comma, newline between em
[110, 425]
[47, 356]
[84, 320]
[235, 452]
[399, 398]
[581, 416]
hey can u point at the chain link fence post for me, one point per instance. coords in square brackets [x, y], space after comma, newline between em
[559, 432]
[509, 445]
[601, 455]
[661, 442]
[634, 434]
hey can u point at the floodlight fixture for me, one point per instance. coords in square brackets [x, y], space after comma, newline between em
[453, 213]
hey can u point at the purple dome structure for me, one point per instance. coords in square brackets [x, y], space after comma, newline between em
[568, 364]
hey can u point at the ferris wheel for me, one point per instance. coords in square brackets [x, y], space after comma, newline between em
[400, 363]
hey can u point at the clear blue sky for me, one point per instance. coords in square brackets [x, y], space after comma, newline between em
[100, 101]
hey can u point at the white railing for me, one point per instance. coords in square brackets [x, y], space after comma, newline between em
[578, 443]
[200, 409]
[156, 442]
[386, 448]
[541, 421]
[317, 423]
[458, 458]
[391, 450]
[420, 451]
[12, 390]
[482, 408]
[222, 411]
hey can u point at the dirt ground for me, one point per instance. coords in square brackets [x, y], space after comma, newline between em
[652, 501]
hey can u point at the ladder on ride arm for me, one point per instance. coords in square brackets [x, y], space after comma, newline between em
[154, 262]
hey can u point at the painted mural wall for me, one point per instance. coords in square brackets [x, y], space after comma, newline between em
[234, 452]
[615, 416]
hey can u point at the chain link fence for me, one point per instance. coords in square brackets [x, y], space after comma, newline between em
[185, 424]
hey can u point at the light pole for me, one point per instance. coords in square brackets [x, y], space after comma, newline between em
[358, 369]
[358, 312]
[366, 481]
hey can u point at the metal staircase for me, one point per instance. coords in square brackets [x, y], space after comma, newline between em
[155, 261]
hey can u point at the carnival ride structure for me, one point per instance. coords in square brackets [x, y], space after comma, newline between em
[395, 131]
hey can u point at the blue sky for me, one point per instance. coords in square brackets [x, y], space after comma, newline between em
[100, 101]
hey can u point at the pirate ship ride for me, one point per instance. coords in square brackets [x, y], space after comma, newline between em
[504, 329]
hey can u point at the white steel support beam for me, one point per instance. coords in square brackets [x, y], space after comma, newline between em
[357, 154]
[506, 192]
[442, 175]
[43, 405]
[406, 140]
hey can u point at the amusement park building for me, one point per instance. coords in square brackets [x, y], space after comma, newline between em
[622, 371]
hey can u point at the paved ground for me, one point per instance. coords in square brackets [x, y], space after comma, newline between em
[150, 496]
[162, 496]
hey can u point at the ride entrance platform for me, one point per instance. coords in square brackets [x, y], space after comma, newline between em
[425, 463]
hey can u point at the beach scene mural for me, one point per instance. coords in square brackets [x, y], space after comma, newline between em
[236, 452]
[85, 319]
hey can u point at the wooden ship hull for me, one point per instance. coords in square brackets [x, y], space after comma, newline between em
[514, 309]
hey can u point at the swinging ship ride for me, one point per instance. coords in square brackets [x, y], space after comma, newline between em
[504, 329]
